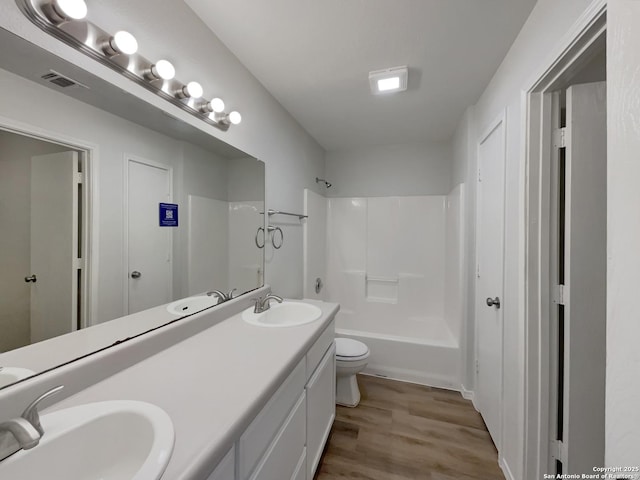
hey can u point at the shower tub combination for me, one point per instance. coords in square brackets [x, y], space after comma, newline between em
[394, 265]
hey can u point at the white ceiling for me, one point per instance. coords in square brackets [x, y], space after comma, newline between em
[314, 57]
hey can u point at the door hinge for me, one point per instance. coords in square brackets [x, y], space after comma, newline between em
[78, 264]
[558, 450]
[479, 175]
[561, 294]
[477, 367]
[560, 137]
[79, 178]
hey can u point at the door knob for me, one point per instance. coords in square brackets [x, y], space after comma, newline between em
[32, 278]
[493, 302]
[136, 274]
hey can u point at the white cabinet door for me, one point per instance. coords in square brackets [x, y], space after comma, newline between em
[301, 469]
[321, 408]
[226, 469]
[282, 457]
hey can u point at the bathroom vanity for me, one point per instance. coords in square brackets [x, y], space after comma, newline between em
[246, 402]
[286, 439]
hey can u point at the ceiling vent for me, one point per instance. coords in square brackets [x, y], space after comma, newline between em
[60, 80]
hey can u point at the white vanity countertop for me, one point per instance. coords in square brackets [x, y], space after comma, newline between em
[59, 350]
[212, 384]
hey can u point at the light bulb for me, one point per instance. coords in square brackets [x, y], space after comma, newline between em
[121, 42]
[235, 117]
[161, 69]
[191, 89]
[60, 11]
[71, 9]
[216, 106]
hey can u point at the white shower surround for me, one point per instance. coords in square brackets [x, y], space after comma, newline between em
[394, 264]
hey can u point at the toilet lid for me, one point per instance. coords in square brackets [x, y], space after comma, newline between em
[346, 347]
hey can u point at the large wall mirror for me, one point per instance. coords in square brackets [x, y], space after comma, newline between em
[109, 208]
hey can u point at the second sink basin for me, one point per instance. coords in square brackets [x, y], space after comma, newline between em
[286, 314]
[190, 305]
[9, 375]
[114, 440]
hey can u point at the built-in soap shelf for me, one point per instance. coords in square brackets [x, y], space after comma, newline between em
[381, 289]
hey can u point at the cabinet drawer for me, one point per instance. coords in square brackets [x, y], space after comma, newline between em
[226, 469]
[301, 469]
[317, 351]
[257, 437]
[321, 409]
[282, 457]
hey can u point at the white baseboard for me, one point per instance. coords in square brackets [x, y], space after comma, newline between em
[505, 469]
[467, 394]
[411, 376]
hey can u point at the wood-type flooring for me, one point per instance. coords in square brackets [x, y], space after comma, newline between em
[402, 431]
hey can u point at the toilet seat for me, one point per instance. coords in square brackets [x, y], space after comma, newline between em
[349, 350]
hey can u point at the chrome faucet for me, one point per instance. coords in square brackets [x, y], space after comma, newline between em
[221, 295]
[25, 433]
[27, 429]
[31, 414]
[262, 304]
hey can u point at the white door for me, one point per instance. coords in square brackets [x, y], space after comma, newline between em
[583, 303]
[54, 245]
[149, 245]
[489, 285]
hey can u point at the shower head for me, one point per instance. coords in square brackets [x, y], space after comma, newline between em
[322, 180]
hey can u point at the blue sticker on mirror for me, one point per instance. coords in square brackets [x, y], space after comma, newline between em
[168, 214]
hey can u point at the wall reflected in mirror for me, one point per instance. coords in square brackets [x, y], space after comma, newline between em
[110, 207]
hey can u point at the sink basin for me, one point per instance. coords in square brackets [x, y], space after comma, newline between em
[285, 314]
[9, 375]
[113, 440]
[190, 305]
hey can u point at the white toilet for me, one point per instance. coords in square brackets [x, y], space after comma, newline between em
[351, 358]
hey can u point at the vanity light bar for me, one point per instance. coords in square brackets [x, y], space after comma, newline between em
[119, 52]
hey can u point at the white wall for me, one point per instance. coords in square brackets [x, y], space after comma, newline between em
[623, 198]
[245, 180]
[404, 169]
[205, 176]
[15, 237]
[547, 25]
[267, 131]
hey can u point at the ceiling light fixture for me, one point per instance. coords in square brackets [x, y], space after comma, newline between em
[60, 11]
[121, 43]
[110, 50]
[161, 70]
[389, 80]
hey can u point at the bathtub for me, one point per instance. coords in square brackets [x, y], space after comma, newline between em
[425, 353]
